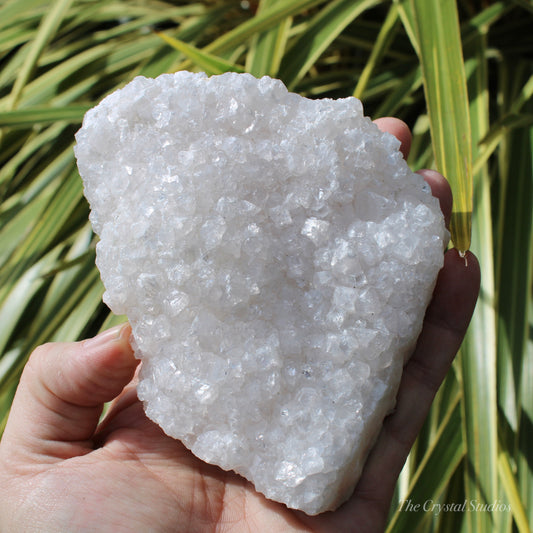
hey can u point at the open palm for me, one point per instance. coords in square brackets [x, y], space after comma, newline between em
[60, 470]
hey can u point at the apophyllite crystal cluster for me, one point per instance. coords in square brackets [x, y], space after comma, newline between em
[275, 257]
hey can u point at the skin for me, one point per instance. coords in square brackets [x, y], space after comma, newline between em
[60, 470]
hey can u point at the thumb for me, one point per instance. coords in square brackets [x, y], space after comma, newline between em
[61, 394]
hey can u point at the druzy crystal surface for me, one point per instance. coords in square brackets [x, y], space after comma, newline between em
[275, 257]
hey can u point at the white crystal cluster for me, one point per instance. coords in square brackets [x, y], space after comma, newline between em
[275, 257]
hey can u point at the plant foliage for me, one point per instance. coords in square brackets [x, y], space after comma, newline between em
[459, 73]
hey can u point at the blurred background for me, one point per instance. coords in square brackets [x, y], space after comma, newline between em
[460, 75]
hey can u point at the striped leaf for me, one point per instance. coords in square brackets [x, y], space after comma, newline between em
[209, 63]
[438, 36]
[50, 115]
[320, 33]
[268, 48]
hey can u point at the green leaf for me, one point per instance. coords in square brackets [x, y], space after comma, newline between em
[493, 139]
[48, 226]
[11, 12]
[511, 489]
[268, 48]
[49, 25]
[383, 41]
[16, 301]
[433, 474]
[322, 30]
[88, 66]
[113, 320]
[447, 101]
[258, 24]
[478, 354]
[407, 16]
[403, 91]
[33, 145]
[525, 434]
[32, 116]
[515, 277]
[515, 269]
[210, 63]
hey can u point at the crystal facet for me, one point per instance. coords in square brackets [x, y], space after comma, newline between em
[275, 257]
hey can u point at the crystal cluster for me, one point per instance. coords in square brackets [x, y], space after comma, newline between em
[275, 257]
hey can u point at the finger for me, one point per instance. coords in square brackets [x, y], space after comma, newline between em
[440, 188]
[445, 325]
[399, 129]
[62, 391]
[115, 417]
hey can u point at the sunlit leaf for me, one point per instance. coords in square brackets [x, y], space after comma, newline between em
[207, 62]
[438, 36]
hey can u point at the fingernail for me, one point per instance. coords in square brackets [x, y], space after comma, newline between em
[108, 336]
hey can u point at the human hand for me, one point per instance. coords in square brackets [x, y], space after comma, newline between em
[60, 470]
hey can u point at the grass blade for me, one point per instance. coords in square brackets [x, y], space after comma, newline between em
[49, 25]
[447, 101]
[408, 85]
[209, 63]
[48, 226]
[494, 137]
[322, 30]
[30, 117]
[514, 270]
[515, 276]
[525, 437]
[511, 490]
[267, 49]
[261, 22]
[479, 356]
[406, 14]
[433, 474]
[11, 12]
[383, 41]
[16, 301]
